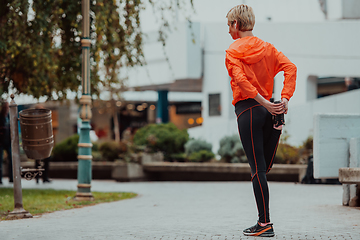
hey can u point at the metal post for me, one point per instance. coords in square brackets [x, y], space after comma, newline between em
[84, 155]
[19, 211]
[162, 107]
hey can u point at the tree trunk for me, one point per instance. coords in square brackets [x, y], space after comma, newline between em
[116, 125]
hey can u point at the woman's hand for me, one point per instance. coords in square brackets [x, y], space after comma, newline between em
[273, 108]
[285, 103]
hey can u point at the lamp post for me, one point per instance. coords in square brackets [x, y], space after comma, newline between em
[84, 155]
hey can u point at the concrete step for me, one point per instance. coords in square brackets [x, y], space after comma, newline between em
[349, 175]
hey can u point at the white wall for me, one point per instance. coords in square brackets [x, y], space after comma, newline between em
[332, 136]
[299, 120]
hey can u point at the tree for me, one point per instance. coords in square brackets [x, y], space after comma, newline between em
[40, 43]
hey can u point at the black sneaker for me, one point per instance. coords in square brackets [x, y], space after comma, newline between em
[257, 230]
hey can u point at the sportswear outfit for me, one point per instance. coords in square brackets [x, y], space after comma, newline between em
[252, 65]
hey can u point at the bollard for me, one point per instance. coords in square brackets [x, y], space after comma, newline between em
[19, 211]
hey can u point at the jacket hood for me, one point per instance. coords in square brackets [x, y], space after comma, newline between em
[248, 49]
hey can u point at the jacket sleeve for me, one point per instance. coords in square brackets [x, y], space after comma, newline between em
[289, 69]
[236, 72]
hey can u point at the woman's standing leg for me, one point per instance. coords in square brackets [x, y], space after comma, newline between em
[251, 123]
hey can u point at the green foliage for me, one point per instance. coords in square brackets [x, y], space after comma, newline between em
[97, 156]
[306, 150]
[40, 50]
[95, 147]
[178, 157]
[166, 138]
[287, 154]
[196, 145]
[67, 150]
[308, 143]
[201, 156]
[111, 150]
[231, 150]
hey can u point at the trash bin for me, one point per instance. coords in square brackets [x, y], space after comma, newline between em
[36, 133]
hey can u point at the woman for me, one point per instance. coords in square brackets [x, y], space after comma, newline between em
[252, 65]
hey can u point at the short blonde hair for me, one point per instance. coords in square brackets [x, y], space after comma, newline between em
[244, 15]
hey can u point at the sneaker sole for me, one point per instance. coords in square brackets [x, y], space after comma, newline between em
[260, 235]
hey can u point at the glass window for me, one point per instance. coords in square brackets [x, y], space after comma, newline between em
[214, 105]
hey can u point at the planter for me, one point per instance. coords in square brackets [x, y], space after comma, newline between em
[168, 171]
[152, 157]
[127, 172]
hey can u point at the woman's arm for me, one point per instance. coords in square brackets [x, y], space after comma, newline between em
[289, 69]
[236, 72]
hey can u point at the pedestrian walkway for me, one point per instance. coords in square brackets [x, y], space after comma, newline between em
[192, 210]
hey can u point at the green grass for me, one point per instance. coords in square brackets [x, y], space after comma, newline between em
[38, 201]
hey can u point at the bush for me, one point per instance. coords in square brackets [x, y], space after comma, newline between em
[306, 150]
[308, 143]
[166, 138]
[196, 145]
[110, 150]
[66, 150]
[201, 156]
[95, 147]
[97, 157]
[231, 150]
[287, 154]
[178, 157]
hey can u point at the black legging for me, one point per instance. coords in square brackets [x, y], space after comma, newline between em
[260, 141]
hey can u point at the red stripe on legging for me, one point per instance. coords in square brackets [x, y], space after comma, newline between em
[248, 109]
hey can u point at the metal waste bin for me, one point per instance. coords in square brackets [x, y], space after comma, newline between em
[36, 133]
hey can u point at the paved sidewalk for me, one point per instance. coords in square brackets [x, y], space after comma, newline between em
[192, 210]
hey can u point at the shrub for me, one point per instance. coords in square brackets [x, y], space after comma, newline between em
[287, 154]
[166, 138]
[201, 156]
[196, 145]
[67, 150]
[306, 150]
[308, 143]
[95, 147]
[110, 150]
[178, 157]
[231, 150]
[97, 157]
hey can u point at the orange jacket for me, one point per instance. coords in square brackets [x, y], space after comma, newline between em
[252, 65]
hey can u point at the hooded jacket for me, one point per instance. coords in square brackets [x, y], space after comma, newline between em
[252, 65]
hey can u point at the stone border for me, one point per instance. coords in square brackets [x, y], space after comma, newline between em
[174, 171]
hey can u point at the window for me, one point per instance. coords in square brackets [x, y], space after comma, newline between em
[332, 85]
[214, 105]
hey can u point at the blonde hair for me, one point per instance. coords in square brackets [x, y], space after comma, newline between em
[244, 15]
